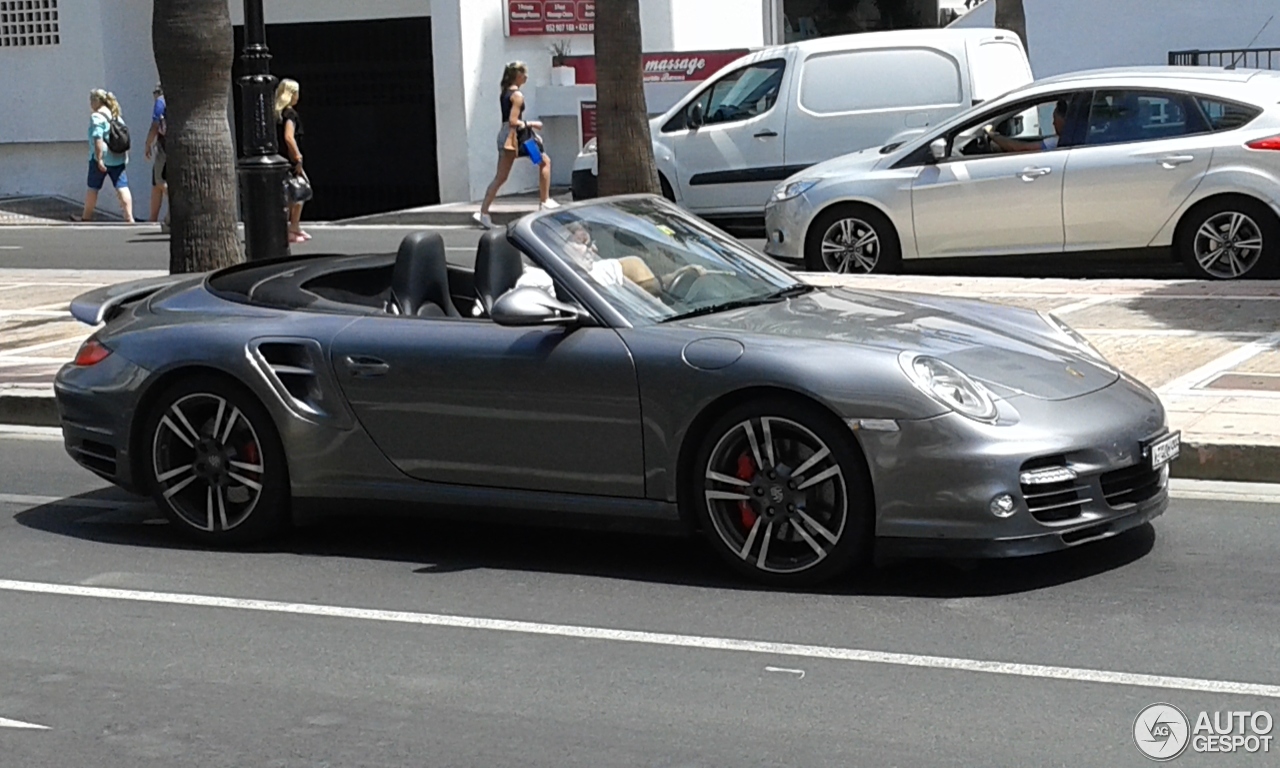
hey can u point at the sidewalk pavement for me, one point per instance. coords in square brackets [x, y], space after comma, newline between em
[1211, 350]
[46, 209]
[506, 209]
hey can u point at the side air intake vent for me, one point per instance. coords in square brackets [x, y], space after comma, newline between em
[295, 370]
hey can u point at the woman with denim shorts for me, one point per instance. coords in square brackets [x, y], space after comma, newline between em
[103, 163]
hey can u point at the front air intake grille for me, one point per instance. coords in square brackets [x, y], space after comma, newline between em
[99, 457]
[1054, 502]
[1131, 485]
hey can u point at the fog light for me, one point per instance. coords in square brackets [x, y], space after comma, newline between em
[1003, 506]
[1164, 477]
[1047, 476]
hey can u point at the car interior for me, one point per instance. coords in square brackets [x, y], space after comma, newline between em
[416, 281]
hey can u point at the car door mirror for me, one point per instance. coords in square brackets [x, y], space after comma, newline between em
[697, 115]
[522, 307]
[938, 149]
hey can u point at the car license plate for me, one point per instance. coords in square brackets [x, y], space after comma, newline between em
[1165, 450]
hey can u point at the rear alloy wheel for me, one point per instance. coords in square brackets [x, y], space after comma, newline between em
[782, 494]
[216, 466]
[853, 240]
[1230, 239]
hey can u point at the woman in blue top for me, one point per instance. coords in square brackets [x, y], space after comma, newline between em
[103, 162]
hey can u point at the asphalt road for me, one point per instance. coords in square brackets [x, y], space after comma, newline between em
[132, 649]
[143, 247]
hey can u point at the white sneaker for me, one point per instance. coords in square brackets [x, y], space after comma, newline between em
[551, 203]
[483, 219]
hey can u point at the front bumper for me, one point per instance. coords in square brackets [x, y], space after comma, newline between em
[786, 224]
[96, 406]
[935, 479]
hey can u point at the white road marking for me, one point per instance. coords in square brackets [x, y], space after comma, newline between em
[784, 670]
[1218, 490]
[831, 653]
[62, 501]
[7, 723]
[10, 247]
[22, 430]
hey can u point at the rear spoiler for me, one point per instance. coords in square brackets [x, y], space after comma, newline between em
[97, 306]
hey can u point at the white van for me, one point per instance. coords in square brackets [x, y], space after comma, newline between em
[772, 113]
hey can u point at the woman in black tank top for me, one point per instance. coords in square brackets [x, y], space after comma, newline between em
[513, 122]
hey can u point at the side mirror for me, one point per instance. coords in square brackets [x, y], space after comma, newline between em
[522, 307]
[697, 115]
[938, 149]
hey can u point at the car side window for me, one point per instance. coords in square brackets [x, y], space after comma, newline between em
[1123, 116]
[739, 95]
[1225, 115]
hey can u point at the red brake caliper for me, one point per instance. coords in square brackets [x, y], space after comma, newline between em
[746, 471]
[251, 453]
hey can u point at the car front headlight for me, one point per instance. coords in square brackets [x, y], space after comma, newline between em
[792, 190]
[1076, 339]
[949, 386]
[589, 148]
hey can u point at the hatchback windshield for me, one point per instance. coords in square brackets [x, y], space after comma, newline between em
[655, 263]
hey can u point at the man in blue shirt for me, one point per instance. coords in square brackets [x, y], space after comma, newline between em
[155, 151]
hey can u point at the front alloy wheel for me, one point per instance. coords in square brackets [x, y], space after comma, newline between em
[851, 246]
[216, 466]
[852, 239]
[783, 502]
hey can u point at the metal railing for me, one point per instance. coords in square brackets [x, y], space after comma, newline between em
[1240, 58]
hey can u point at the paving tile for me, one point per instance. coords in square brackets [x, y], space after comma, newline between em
[1250, 428]
[1267, 362]
[1158, 360]
[1200, 315]
[32, 296]
[22, 332]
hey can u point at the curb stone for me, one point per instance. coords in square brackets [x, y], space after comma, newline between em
[1242, 463]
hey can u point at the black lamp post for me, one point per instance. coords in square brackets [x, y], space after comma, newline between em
[262, 170]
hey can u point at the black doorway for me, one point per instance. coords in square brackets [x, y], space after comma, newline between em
[368, 111]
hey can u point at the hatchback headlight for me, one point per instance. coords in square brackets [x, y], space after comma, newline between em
[589, 148]
[949, 386]
[794, 189]
[1076, 339]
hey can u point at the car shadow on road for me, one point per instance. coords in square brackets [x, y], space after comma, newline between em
[432, 546]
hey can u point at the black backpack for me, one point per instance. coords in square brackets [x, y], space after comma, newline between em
[118, 136]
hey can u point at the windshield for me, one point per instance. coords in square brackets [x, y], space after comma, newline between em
[654, 263]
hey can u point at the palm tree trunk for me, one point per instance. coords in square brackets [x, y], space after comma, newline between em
[193, 47]
[624, 145]
[1010, 15]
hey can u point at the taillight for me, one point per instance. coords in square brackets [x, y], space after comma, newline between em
[1268, 143]
[91, 352]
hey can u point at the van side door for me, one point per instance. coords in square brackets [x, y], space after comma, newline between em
[854, 99]
[728, 141]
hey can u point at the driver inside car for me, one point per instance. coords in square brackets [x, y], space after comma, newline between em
[1007, 144]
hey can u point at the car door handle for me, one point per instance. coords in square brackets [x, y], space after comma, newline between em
[366, 367]
[1173, 161]
[1031, 174]
[766, 134]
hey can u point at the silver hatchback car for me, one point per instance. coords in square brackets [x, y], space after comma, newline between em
[1185, 158]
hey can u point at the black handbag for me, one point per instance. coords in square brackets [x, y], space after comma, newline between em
[522, 136]
[297, 189]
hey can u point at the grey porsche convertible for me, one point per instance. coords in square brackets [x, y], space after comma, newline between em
[620, 359]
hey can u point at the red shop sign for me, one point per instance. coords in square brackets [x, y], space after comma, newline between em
[550, 17]
[683, 67]
[587, 116]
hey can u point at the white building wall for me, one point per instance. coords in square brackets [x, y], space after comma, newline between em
[1086, 34]
[107, 43]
